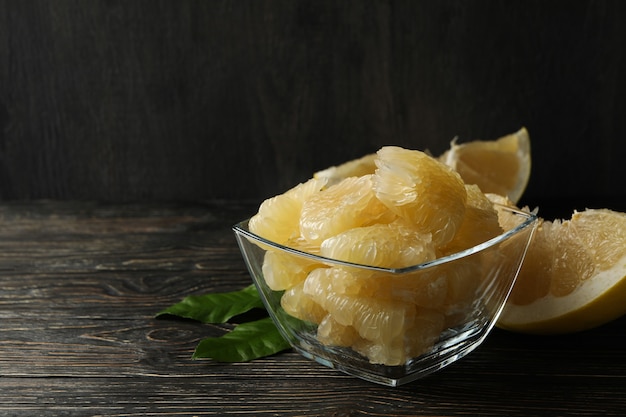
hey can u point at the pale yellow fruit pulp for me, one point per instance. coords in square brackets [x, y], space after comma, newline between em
[278, 217]
[393, 209]
[343, 206]
[574, 276]
[500, 166]
[421, 190]
[354, 168]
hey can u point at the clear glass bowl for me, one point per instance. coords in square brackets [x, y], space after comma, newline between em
[388, 326]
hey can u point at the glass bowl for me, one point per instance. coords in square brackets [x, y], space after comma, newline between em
[389, 326]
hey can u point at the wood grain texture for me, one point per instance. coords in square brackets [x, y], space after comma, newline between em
[189, 100]
[80, 284]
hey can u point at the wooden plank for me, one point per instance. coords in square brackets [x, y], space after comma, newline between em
[62, 345]
[449, 393]
[78, 339]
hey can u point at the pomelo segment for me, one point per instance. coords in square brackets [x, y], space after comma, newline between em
[421, 190]
[353, 168]
[393, 245]
[278, 217]
[343, 206]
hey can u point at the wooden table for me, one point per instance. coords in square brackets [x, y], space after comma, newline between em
[80, 284]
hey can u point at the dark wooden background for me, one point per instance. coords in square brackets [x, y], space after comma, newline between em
[193, 100]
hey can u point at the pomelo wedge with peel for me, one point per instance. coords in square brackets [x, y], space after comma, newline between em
[595, 303]
[573, 277]
[499, 166]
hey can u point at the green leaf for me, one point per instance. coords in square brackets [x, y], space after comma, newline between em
[246, 342]
[216, 308]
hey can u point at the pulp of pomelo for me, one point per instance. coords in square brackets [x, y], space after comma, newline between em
[400, 207]
[421, 190]
[355, 168]
[573, 278]
[499, 166]
[278, 217]
[409, 210]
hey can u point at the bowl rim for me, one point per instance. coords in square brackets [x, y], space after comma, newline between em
[531, 220]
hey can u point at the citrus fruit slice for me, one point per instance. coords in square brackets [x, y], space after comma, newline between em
[376, 320]
[418, 337]
[507, 219]
[480, 222]
[392, 245]
[421, 190]
[345, 205]
[283, 270]
[499, 166]
[299, 305]
[353, 168]
[574, 276]
[278, 217]
[332, 333]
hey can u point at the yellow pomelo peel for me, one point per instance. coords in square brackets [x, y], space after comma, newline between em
[573, 278]
[595, 302]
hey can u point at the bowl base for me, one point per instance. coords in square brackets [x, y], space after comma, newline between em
[348, 361]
